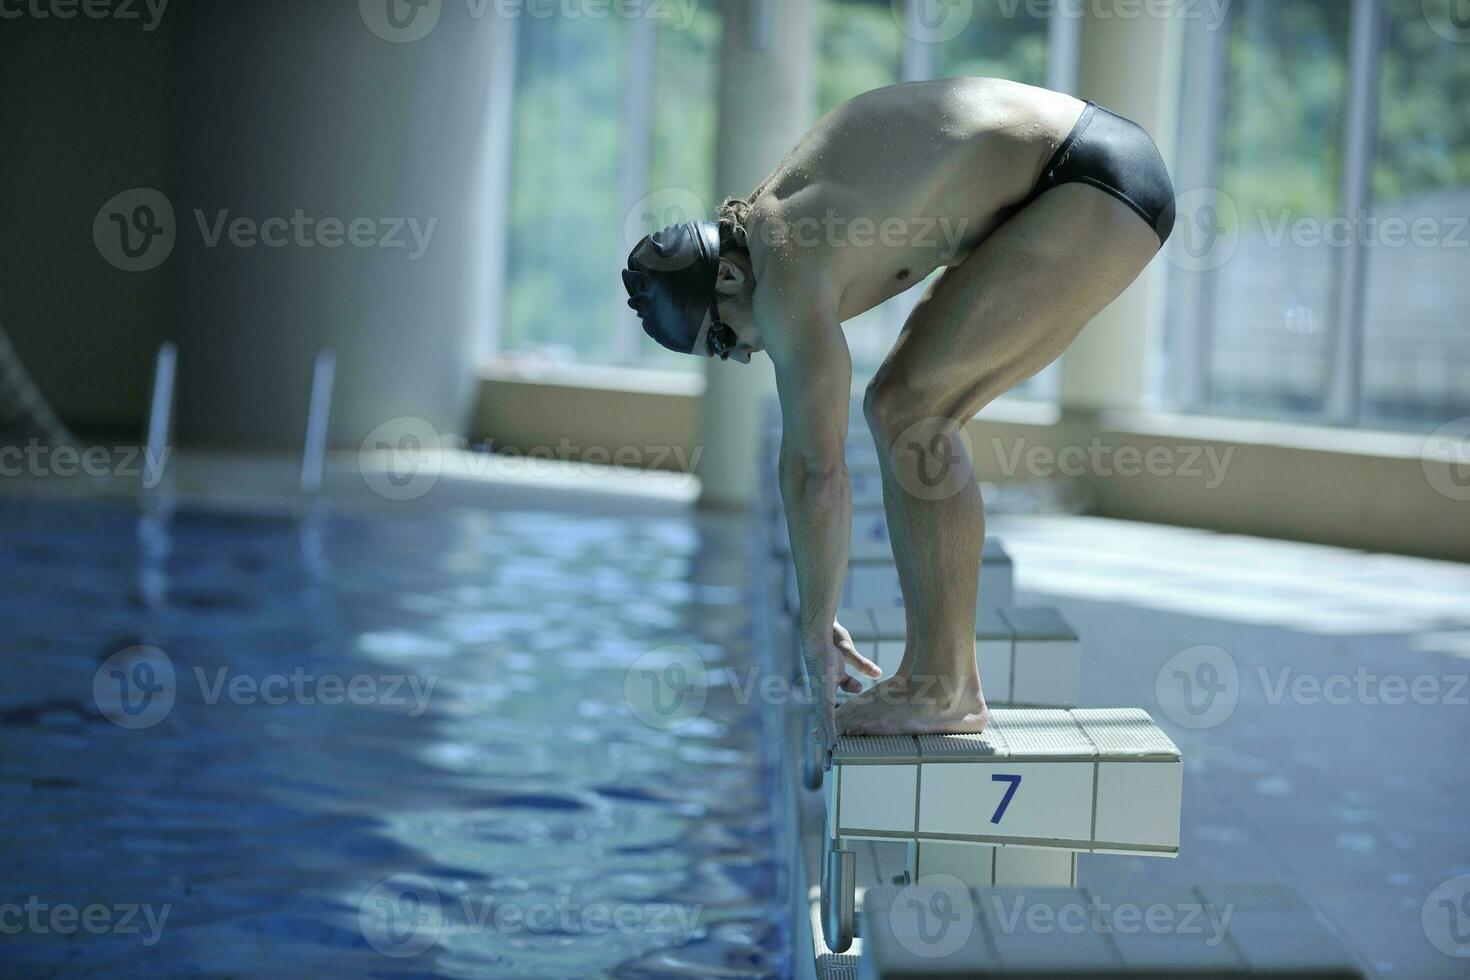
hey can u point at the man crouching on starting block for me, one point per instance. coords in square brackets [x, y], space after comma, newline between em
[1039, 207]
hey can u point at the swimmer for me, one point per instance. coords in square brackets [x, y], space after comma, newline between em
[1039, 208]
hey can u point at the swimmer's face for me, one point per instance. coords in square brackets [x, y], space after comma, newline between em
[723, 340]
[733, 336]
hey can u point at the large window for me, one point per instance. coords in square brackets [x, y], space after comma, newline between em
[613, 138]
[1325, 184]
[1416, 342]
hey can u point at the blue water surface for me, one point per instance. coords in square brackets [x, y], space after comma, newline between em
[389, 744]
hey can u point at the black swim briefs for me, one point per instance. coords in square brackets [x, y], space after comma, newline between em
[1118, 156]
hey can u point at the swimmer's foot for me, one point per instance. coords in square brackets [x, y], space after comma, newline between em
[913, 705]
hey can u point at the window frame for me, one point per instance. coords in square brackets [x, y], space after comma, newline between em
[1200, 159]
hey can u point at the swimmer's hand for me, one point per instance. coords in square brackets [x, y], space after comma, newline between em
[825, 674]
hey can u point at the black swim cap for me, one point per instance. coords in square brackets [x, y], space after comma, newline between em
[671, 282]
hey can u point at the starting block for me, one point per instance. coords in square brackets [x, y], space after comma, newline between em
[1027, 655]
[872, 576]
[1099, 780]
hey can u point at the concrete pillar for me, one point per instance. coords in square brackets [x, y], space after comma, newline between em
[1130, 65]
[767, 100]
[285, 108]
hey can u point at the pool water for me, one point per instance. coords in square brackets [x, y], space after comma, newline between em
[391, 744]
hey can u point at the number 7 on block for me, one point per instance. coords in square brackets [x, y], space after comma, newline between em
[1005, 801]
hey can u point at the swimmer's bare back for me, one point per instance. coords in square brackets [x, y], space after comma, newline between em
[900, 181]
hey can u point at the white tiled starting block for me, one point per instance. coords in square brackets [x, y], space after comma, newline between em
[1012, 806]
[872, 576]
[1027, 655]
[985, 865]
[1086, 779]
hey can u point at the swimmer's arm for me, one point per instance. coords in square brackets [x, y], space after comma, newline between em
[814, 382]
